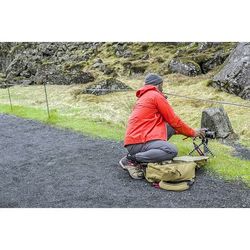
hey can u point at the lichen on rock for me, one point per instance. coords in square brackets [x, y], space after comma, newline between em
[234, 77]
[105, 87]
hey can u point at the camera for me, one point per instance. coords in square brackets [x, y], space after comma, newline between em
[210, 134]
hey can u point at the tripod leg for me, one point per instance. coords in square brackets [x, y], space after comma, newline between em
[197, 148]
[208, 150]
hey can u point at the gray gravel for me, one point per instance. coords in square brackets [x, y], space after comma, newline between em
[42, 166]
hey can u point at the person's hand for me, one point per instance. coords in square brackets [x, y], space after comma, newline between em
[200, 133]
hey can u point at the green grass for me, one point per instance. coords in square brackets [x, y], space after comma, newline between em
[223, 164]
[96, 128]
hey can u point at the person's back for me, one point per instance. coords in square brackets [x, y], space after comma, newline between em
[145, 123]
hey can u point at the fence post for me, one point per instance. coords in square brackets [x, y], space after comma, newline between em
[8, 88]
[46, 96]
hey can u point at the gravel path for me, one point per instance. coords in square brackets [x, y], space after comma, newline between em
[42, 166]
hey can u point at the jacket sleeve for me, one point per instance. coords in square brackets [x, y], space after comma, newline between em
[171, 118]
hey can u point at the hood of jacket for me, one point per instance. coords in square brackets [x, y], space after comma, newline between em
[145, 89]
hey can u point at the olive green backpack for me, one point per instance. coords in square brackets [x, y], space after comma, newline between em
[176, 175]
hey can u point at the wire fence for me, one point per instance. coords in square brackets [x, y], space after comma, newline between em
[7, 86]
[207, 100]
[94, 91]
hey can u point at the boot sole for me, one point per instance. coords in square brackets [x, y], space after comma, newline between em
[122, 166]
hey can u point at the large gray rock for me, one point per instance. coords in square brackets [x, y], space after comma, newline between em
[234, 78]
[121, 50]
[216, 119]
[98, 64]
[105, 87]
[205, 45]
[135, 68]
[56, 63]
[209, 64]
[56, 75]
[4, 51]
[187, 68]
[22, 65]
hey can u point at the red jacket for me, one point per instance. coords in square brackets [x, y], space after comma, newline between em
[149, 117]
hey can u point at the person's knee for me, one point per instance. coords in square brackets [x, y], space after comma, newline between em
[174, 151]
[171, 151]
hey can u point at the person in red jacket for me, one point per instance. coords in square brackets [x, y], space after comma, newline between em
[150, 126]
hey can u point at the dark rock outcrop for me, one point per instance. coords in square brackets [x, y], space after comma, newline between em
[135, 68]
[56, 75]
[202, 57]
[55, 63]
[66, 63]
[105, 87]
[234, 78]
[98, 64]
[210, 63]
[187, 68]
[121, 50]
[216, 119]
[205, 45]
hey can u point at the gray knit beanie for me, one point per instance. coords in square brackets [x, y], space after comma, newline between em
[153, 79]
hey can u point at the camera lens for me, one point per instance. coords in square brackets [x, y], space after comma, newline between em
[210, 134]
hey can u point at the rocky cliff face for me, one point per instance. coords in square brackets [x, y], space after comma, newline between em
[234, 78]
[35, 63]
[73, 63]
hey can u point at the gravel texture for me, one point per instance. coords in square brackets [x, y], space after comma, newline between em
[42, 166]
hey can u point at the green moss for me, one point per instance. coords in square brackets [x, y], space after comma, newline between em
[47, 62]
[209, 82]
[192, 52]
[72, 65]
[187, 60]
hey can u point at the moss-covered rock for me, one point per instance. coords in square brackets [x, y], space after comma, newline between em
[137, 67]
[185, 67]
[207, 55]
[105, 87]
[23, 61]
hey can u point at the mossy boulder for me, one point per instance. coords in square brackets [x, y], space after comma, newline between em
[185, 67]
[103, 67]
[133, 68]
[66, 63]
[57, 63]
[56, 75]
[217, 59]
[207, 55]
[122, 50]
[105, 87]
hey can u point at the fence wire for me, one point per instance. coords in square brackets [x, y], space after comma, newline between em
[93, 91]
[182, 96]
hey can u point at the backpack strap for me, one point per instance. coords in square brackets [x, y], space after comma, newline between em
[179, 186]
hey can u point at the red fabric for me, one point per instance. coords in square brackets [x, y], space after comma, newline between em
[150, 114]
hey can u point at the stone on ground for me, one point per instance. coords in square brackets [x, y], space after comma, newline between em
[216, 119]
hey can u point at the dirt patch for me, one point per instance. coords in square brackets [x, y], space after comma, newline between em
[42, 166]
[241, 151]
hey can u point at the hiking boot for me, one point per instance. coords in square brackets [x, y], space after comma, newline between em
[134, 168]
